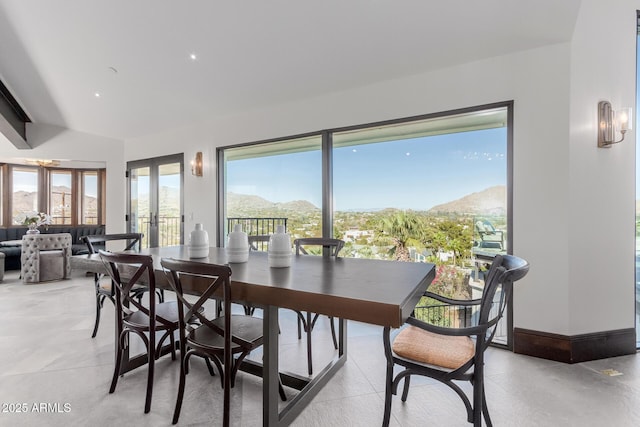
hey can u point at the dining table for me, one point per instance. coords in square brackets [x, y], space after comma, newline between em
[377, 292]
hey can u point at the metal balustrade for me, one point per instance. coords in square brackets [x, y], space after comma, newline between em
[168, 230]
[455, 317]
[256, 226]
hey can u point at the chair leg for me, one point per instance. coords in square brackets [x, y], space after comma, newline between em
[99, 301]
[283, 396]
[151, 361]
[405, 389]
[116, 371]
[172, 339]
[209, 367]
[478, 394]
[183, 378]
[388, 395]
[485, 409]
[309, 354]
[333, 333]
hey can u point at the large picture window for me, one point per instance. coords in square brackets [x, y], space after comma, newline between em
[25, 184]
[60, 200]
[70, 196]
[434, 189]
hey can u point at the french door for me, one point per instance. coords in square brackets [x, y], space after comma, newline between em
[155, 205]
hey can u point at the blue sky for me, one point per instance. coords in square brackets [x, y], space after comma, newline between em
[415, 173]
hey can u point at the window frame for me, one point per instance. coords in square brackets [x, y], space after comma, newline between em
[327, 175]
[44, 191]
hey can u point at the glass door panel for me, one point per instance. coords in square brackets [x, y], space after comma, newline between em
[155, 200]
[140, 203]
[168, 222]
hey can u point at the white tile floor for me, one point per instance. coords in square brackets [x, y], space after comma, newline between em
[48, 357]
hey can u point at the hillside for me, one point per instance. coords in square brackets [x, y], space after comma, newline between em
[24, 202]
[244, 205]
[492, 201]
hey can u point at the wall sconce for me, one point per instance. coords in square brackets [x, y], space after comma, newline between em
[196, 164]
[609, 121]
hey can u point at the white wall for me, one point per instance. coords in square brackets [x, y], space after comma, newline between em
[602, 181]
[52, 142]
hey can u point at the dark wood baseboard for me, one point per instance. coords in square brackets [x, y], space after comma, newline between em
[574, 348]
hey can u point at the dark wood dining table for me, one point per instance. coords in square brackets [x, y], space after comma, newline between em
[378, 292]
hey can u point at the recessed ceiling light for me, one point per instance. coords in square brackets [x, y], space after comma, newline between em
[97, 94]
[193, 56]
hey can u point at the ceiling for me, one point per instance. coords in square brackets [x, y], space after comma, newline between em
[55, 56]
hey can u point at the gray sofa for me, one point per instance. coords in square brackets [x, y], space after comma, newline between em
[12, 253]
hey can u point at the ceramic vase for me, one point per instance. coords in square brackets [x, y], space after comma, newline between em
[198, 246]
[33, 229]
[237, 245]
[279, 253]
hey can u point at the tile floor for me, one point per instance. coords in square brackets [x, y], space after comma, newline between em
[53, 369]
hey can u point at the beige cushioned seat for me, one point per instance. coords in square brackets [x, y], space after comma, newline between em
[433, 349]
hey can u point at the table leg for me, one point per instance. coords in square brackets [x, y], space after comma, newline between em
[342, 337]
[270, 395]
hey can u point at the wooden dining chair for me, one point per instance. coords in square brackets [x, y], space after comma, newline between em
[104, 289]
[449, 354]
[225, 340]
[258, 242]
[126, 271]
[307, 321]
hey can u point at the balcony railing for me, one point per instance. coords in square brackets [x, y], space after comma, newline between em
[168, 230]
[257, 226]
[456, 317]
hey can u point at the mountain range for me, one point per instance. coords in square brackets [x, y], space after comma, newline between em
[491, 201]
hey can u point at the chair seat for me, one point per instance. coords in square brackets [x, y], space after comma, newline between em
[433, 349]
[246, 327]
[106, 286]
[166, 310]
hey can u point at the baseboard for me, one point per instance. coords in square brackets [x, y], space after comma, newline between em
[574, 348]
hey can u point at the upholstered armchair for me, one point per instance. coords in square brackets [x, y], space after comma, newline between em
[45, 257]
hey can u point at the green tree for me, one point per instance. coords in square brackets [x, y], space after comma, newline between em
[450, 234]
[404, 229]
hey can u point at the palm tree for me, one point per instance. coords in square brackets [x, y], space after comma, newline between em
[403, 228]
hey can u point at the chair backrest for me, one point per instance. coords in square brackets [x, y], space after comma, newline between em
[127, 270]
[133, 240]
[332, 245]
[498, 286]
[182, 274]
[258, 242]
